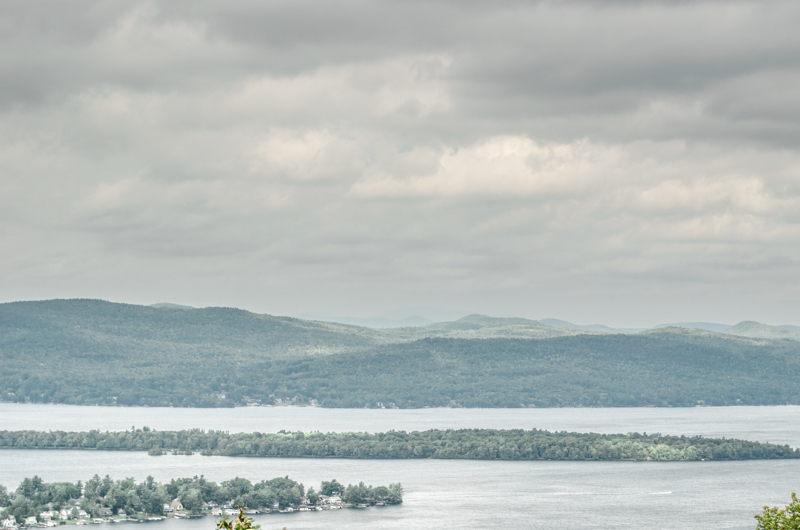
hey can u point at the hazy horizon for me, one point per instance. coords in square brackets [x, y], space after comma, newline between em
[434, 315]
[622, 163]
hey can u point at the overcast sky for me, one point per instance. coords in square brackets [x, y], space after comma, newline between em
[621, 162]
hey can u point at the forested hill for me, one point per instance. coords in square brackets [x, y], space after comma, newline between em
[93, 352]
[655, 369]
[103, 330]
[89, 327]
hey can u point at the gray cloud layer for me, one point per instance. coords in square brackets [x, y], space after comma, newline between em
[630, 162]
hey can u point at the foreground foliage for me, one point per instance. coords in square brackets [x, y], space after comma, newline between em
[775, 518]
[240, 522]
[474, 444]
[104, 495]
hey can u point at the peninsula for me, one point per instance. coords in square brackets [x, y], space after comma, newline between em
[36, 503]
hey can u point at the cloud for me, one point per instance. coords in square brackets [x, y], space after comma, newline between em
[512, 157]
[503, 167]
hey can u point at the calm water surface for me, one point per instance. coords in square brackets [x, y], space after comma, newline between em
[763, 424]
[454, 494]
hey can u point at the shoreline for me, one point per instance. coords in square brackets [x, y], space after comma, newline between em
[183, 515]
[321, 407]
[466, 444]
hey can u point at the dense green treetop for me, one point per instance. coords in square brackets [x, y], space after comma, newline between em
[475, 444]
[34, 496]
[773, 518]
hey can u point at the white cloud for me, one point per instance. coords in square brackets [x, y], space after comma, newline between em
[308, 156]
[404, 155]
[507, 166]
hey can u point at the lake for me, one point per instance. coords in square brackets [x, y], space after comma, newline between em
[453, 494]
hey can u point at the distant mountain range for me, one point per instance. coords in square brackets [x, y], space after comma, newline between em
[563, 324]
[97, 352]
[744, 329]
[377, 322]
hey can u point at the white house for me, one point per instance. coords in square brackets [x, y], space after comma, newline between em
[31, 521]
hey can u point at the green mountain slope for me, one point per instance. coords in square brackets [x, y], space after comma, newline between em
[660, 369]
[89, 351]
[99, 328]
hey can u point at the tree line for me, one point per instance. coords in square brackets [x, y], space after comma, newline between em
[473, 444]
[137, 500]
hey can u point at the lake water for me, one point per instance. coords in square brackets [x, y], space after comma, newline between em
[453, 494]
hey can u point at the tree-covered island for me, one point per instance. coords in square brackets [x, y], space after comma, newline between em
[472, 444]
[37, 503]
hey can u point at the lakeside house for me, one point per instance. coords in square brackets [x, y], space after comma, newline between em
[72, 513]
[81, 517]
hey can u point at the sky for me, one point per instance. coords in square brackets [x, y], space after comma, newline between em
[621, 162]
